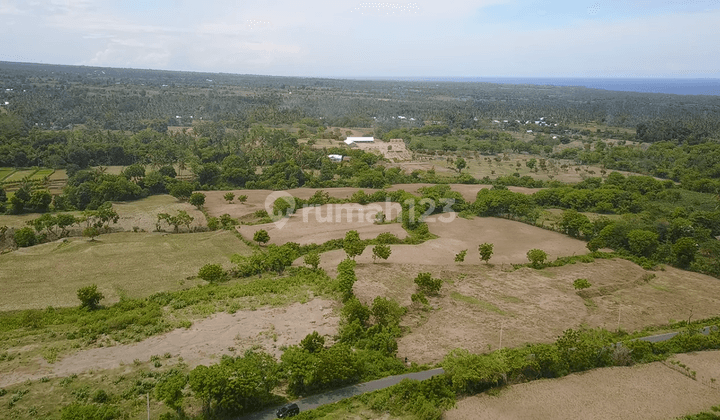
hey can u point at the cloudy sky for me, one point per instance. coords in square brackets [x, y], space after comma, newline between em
[440, 38]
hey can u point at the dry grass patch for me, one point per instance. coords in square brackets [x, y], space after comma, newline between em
[136, 264]
[477, 302]
[649, 391]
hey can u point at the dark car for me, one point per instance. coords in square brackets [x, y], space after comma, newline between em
[288, 410]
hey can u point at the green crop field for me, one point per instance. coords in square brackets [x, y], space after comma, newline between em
[5, 172]
[42, 173]
[135, 264]
[18, 176]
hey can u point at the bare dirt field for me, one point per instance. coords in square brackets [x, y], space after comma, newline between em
[705, 364]
[531, 306]
[512, 240]
[203, 343]
[651, 391]
[137, 264]
[320, 224]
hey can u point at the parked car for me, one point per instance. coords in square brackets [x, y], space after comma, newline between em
[288, 410]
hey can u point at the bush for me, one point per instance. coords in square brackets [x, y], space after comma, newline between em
[212, 273]
[428, 285]
[581, 284]
[25, 237]
[460, 256]
[197, 199]
[78, 411]
[89, 297]
[261, 236]
[537, 257]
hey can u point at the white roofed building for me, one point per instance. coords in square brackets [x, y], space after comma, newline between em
[351, 140]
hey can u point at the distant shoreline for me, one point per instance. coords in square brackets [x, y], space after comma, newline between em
[675, 86]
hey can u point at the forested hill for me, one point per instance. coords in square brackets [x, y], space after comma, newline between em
[54, 97]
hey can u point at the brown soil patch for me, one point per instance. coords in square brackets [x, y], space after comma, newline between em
[512, 240]
[530, 306]
[321, 224]
[204, 342]
[649, 391]
[705, 364]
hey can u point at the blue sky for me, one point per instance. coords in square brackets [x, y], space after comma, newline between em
[448, 38]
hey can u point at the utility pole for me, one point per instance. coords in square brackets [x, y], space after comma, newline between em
[501, 332]
[148, 404]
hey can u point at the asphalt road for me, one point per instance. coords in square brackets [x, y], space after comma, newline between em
[330, 397]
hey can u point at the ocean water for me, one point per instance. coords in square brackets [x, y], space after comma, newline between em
[704, 86]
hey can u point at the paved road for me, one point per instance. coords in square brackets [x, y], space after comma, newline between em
[340, 394]
[330, 397]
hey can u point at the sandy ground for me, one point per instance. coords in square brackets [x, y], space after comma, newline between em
[512, 240]
[321, 224]
[477, 302]
[651, 391]
[204, 342]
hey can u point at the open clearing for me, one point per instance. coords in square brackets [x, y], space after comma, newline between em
[216, 205]
[531, 306]
[137, 264]
[203, 343]
[512, 240]
[321, 224]
[141, 214]
[652, 391]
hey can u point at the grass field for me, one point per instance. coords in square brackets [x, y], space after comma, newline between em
[19, 175]
[5, 172]
[135, 264]
[42, 173]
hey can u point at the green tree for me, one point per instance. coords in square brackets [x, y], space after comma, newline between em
[236, 385]
[574, 223]
[642, 242]
[381, 251]
[313, 342]
[531, 163]
[169, 390]
[64, 221]
[486, 251]
[312, 259]
[25, 237]
[352, 244]
[684, 251]
[89, 297]
[242, 198]
[212, 273]
[134, 172]
[386, 312]
[91, 232]
[460, 256]
[460, 164]
[346, 278]
[428, 285]
[261, 237]
[182, 190]
[197, 199]
[537, 257]
[229, 197]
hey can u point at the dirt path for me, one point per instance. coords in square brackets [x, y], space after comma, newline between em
[652, 391]
[204, 342]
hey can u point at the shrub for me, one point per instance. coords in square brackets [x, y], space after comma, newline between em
[460, 256]
[486, 251]
[212, 273]
[312, 259]
[89, 296]
[25, 237]
[537, 257]
[581, 284]
[381, 251]
[428, 285]
[229, 197]
[197, 199]
[261, 236]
